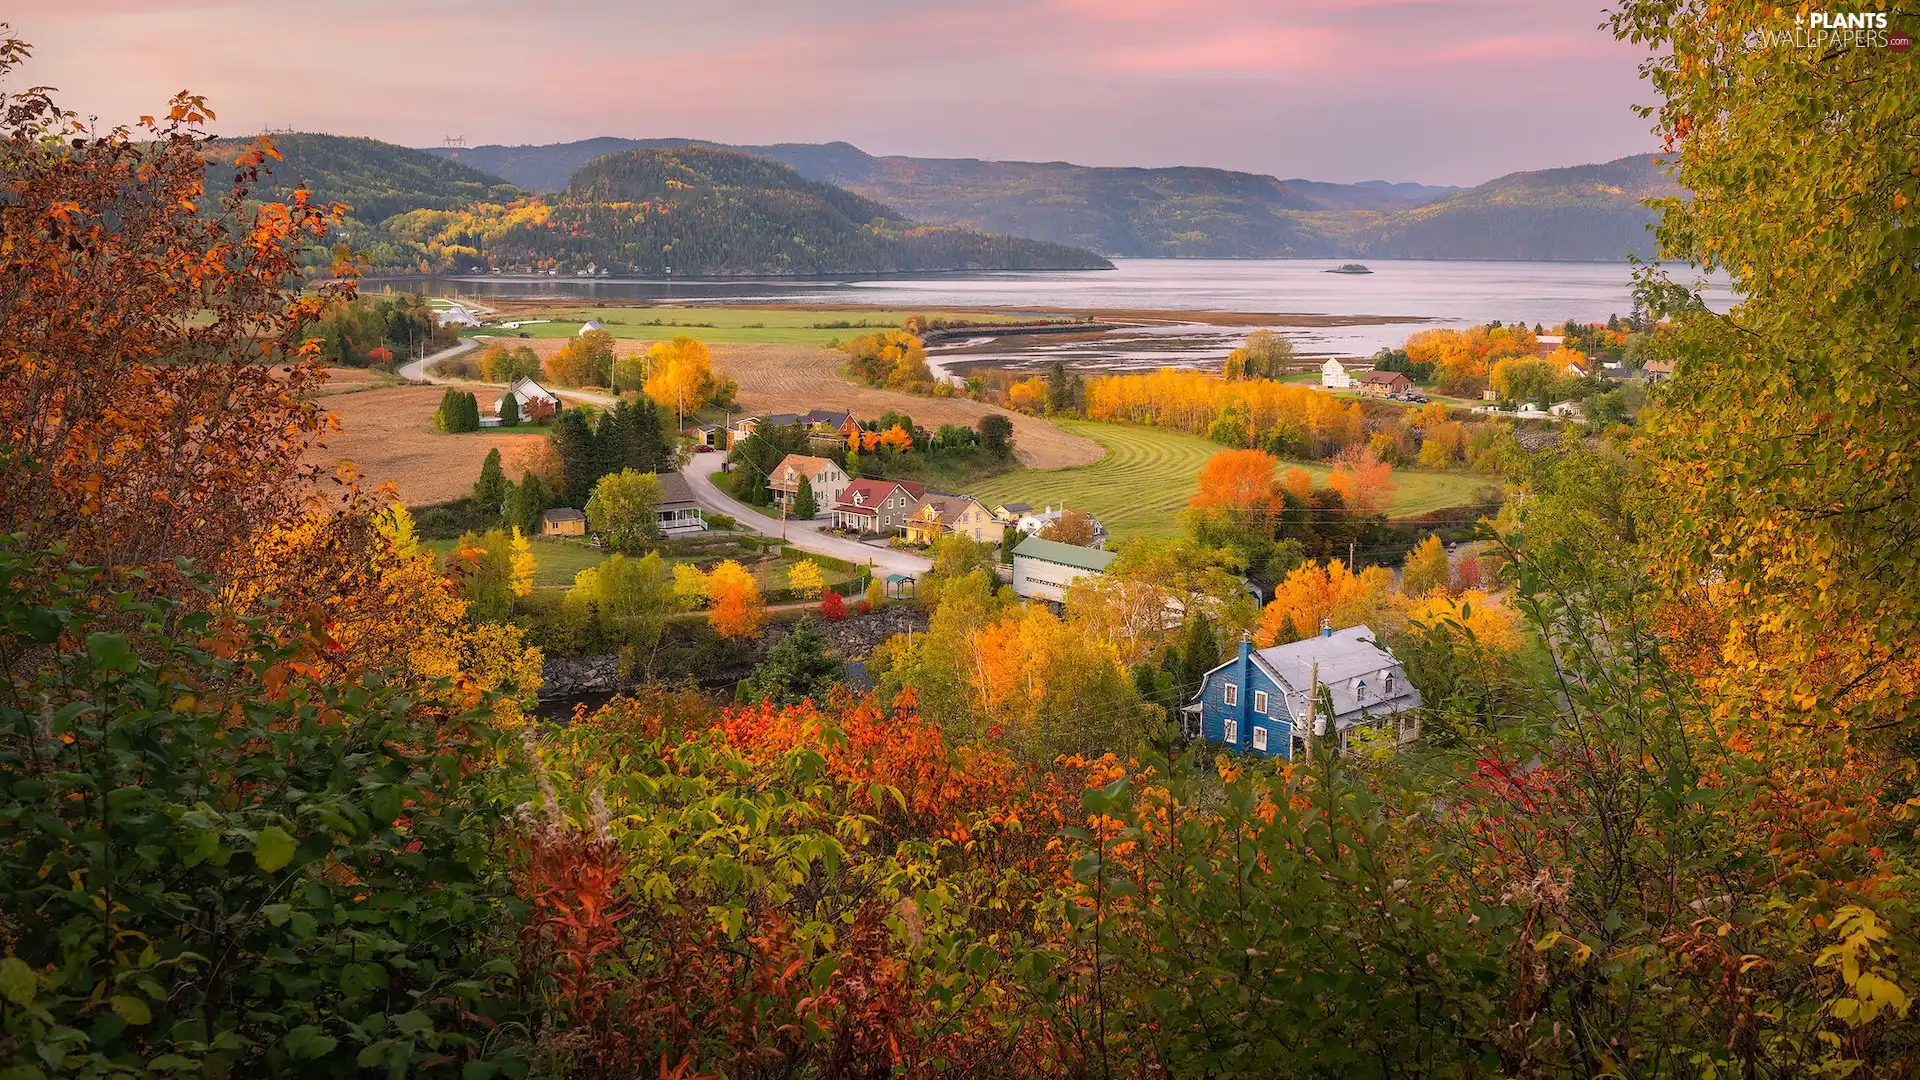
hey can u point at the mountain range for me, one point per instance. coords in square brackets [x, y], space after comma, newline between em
[702, 208]
[1582, 213]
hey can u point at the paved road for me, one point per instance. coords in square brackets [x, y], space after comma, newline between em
[416, 371]
[805, 535]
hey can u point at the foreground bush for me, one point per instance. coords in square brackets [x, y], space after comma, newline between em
[211, 861]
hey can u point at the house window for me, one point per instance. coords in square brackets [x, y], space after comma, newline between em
[1232, 732]
[1232, 695]
[1260, 706]
[1260, 739]
[1299, 748]
[1389, 685]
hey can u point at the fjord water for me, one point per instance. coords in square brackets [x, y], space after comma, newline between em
[1413, 294]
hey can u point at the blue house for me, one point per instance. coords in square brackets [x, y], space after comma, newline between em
[1257, 701]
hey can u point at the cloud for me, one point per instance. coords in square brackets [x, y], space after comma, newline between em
[1401, 89]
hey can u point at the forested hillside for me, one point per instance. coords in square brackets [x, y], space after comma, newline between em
[698, 210]
[705, 212]
[1580, 213]
[377, 179]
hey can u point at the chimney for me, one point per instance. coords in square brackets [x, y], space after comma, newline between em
[1246, 648]
[1326, 627]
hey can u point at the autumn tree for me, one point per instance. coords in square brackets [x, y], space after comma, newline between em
[1328, 592]
[1266, 355]
[893, 359]
[1071, 527]
[1427, 568]
[1362, 479]
[805, 579]
[623, 511]
[1776, 467]
[586, 360]
[737, 609]
[1239, 484]
[632, 598]
[150, 412]
[682, 376]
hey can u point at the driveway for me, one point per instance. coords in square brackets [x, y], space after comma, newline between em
[805, 535]
[416, 370]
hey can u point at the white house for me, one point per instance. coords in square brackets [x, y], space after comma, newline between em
[1042, 569]
[1569, 410]
[678, 513]
[588, 326]
[826, 478]
[525, 392]
[456, 316]
[1333, 376]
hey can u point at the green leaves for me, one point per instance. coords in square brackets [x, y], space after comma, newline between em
[17, 980]
[273, 848]
[137, 811]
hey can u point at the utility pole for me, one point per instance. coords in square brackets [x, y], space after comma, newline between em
[1349, 555]
[1313, 707]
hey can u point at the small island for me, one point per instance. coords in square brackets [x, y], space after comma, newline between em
[1348, 268]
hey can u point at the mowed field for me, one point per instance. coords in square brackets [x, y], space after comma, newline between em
[388, 433]
[795, 378]
[1148, 475]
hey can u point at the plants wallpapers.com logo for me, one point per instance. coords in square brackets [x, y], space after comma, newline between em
[1825, 30]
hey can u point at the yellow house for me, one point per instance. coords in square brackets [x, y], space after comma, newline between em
[938, 515]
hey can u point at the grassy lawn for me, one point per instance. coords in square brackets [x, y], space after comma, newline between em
[555, 561]
[778, 326]
[1148, 475]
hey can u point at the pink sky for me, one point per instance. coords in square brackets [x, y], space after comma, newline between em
[1441, 91]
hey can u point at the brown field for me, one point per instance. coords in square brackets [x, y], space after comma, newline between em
[795, 378]
[388, 433]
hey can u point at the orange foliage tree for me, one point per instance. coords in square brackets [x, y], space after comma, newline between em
[738, 610]
[1314, 592]
[154, 387]
[1362, 479]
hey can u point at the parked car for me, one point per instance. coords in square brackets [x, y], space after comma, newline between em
[702, 448]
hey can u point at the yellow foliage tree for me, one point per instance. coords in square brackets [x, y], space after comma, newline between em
[806, 579]
[1332, 592]
[522, 564]
[1492, 625]
[681, 374]
[689, 586]
[587, 360]
[738, 610]
[1427, 568]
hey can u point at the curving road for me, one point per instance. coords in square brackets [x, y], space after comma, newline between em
[805, 535]
[416, 370]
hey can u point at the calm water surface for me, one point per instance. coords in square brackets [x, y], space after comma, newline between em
[1437, 294]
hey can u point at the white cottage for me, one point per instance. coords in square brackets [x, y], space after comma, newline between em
[1333, 376]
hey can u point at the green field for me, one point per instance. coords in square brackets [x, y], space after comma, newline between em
[1148, 475]
[786, 326]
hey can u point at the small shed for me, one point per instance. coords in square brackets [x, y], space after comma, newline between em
[563, 521]
[588, 327]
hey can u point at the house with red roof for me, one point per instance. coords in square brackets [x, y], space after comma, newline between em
[877, 506]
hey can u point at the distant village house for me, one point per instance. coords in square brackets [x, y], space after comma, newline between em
[827, 479]
[1043, 569]
[1259, 701]
[877, 507]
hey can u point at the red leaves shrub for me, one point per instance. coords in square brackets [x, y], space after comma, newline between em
[833, 607]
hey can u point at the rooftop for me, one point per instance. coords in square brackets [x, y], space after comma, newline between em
[1053, 551]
